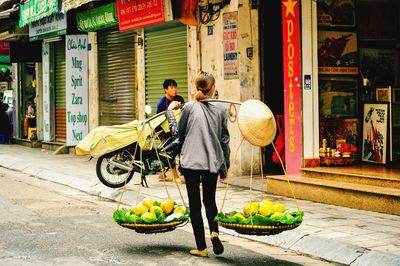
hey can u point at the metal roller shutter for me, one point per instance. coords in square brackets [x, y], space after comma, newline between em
[61, 123]
[117, 77]
[165, 58]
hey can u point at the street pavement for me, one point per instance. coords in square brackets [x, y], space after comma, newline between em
[333, 233]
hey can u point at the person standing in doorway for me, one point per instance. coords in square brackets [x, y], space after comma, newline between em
[30, 118]
[170, 95]
[204, 139]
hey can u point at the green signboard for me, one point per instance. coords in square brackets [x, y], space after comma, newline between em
[36, 9]
[97, 18]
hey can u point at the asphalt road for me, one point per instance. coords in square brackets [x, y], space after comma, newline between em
[43, 223]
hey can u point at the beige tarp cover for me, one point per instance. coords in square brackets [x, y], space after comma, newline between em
[105, 139]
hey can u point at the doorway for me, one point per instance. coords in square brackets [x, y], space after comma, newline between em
[271, 63]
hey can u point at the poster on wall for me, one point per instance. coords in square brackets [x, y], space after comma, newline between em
[337, 52]
[76, 58]
[336, 13]
[230, 46]
[46, 90]
[375, 124]
[338, 97]
[380, 66]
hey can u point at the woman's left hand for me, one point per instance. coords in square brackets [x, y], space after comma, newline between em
[174, 105]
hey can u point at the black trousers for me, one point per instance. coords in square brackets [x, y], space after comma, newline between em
[193, 179]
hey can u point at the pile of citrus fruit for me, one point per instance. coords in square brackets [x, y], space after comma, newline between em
[151, 211]
[262, 213]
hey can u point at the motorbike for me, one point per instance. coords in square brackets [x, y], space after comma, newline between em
[143, 147]
[115, 169]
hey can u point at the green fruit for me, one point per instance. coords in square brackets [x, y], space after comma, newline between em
[132, 218]
[156, 210]
[149, 217]
[240, 218]
[276, 216]
[289, 219]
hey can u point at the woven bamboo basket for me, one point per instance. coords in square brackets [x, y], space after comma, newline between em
[259, 230]
[153, 228]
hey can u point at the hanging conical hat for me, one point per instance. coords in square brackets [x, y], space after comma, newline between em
[257, 123]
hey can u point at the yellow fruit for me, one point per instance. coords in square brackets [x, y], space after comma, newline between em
[149, 217]
[279, 207]
[179, 209]
[156, 210]
[251, 208]
[148, 202]
[265, 209]
[167, 206]
[140, 209]
[267, 202]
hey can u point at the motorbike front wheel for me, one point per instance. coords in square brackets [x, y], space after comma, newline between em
[110, 175]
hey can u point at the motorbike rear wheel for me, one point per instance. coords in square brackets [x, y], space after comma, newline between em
[109, 175]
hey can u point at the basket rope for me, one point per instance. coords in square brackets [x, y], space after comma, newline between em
[263, 191]
[153, 135]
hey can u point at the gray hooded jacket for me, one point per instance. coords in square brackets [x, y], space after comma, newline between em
[204, 137]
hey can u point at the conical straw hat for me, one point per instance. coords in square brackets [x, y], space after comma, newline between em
[257, 123]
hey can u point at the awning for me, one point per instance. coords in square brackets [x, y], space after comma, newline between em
[71, 4]
[6, 13]
[7, 7]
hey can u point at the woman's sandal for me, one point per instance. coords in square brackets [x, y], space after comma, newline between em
[199, 253]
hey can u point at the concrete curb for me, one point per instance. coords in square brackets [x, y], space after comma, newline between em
[327, 249]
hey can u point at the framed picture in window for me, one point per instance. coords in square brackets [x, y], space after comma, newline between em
[337, 97]
[375, 125]
[339, 13]
[337, 52]
[383, 94]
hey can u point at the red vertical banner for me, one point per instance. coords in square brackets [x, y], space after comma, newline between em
[292, 85]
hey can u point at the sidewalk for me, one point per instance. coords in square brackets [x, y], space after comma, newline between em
[333, 233]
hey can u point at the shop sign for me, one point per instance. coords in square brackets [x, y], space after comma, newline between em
[292, 86]
[46, 90]
[97, 18]
[47, 27]
[76, 59]
[4, 48]
[133, 14]
[230, 46]
[36, 9]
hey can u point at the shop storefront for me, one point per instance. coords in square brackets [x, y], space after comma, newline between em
[358, 70]
[117, 76]
[165, 58]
